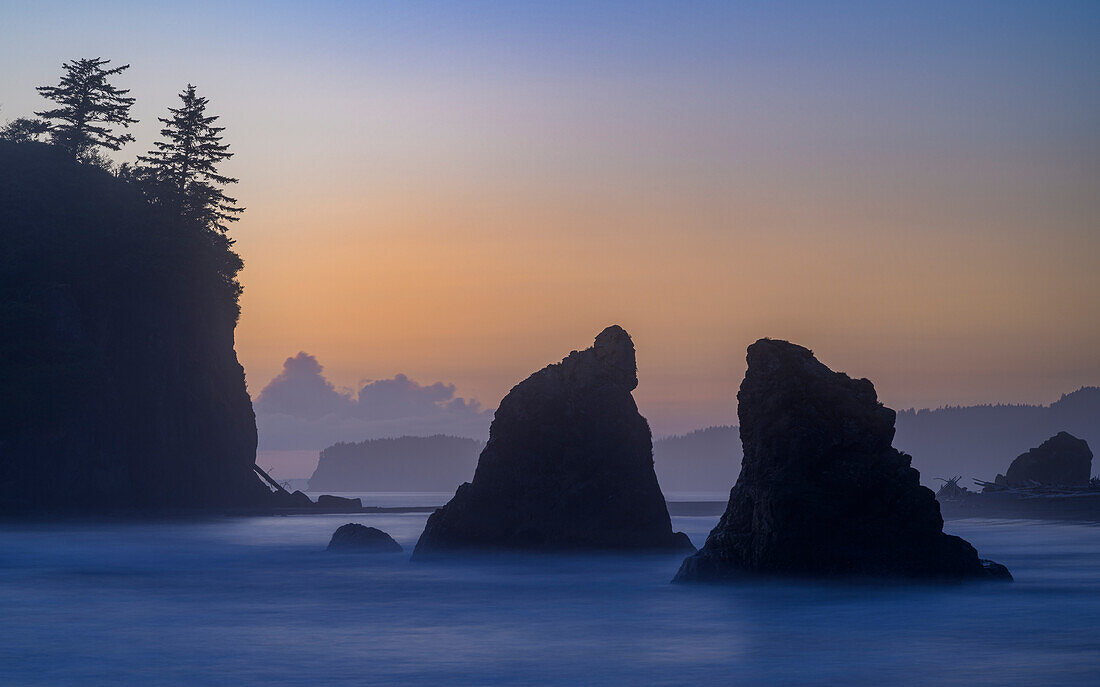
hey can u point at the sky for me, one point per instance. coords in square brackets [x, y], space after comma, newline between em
[462, 193]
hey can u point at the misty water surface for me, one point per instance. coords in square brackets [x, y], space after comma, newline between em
[258, 601]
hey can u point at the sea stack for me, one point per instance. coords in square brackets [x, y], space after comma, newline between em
[569, 465]
[1062, 460]
[357, 538]
[822, 492]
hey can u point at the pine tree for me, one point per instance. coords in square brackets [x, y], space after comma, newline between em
[183, 167]
[88, 108]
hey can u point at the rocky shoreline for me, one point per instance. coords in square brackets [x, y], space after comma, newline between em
[1080, 507]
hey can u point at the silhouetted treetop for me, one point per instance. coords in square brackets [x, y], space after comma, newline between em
[88, 108]
[181, 171]
[24, 130]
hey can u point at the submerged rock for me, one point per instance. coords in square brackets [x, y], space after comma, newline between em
[821, 490]
[360, 538]
[569, 465]
[1062, 460]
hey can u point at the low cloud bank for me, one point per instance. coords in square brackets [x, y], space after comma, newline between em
[300, 409]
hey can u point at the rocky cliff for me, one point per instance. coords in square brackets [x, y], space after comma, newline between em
[569, 465]
[821, 489]
[121, 387]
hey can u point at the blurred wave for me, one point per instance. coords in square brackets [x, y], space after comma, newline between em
[253, 601]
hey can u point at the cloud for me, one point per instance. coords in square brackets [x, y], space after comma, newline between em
[300, 409]
[301, 390]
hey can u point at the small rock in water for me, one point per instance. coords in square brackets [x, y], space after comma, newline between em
[283, 499]
[995, 570]
[1062, 460]
[339, 503]
[821, 490]
[354, 537]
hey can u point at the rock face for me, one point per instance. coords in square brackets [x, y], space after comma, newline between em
[569, 465]
[821, 490]
[354, 537]
[121, 390]
[1062, 460]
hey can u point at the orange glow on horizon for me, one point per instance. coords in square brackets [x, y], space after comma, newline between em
[482, 291]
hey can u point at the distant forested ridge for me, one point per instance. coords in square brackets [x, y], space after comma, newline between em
[981, 441]
[704, 460]
[707, 459]
[972, 441]
[121, 387]
[434, 463]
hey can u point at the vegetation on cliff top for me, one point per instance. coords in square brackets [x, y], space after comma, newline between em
[117, 310]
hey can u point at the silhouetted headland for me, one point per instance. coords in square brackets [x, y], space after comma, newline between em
[569, 465]
[433, 463]
[121, 386]
[821, 489]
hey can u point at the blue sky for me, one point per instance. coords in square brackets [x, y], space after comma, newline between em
[464, 192]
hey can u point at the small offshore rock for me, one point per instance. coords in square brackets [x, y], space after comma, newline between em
[354, 537]
[297, 499]
[339, 504]
[1062, 460]
[995, 570]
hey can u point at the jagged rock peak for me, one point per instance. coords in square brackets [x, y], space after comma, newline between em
[569, 465]
[821, 489]
[609, 359]
[614, 348]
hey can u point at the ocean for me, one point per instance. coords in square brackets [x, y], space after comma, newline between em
[258, 601]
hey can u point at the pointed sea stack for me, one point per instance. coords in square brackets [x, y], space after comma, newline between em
[569, 465]
[822, 492]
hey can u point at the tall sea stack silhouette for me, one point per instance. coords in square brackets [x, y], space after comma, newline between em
[821, 489]
[569, 465]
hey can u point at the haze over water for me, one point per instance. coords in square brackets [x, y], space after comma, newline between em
[443, 198]
[257, 601]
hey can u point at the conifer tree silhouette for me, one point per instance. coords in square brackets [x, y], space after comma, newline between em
[182, 168]
[88, 108]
